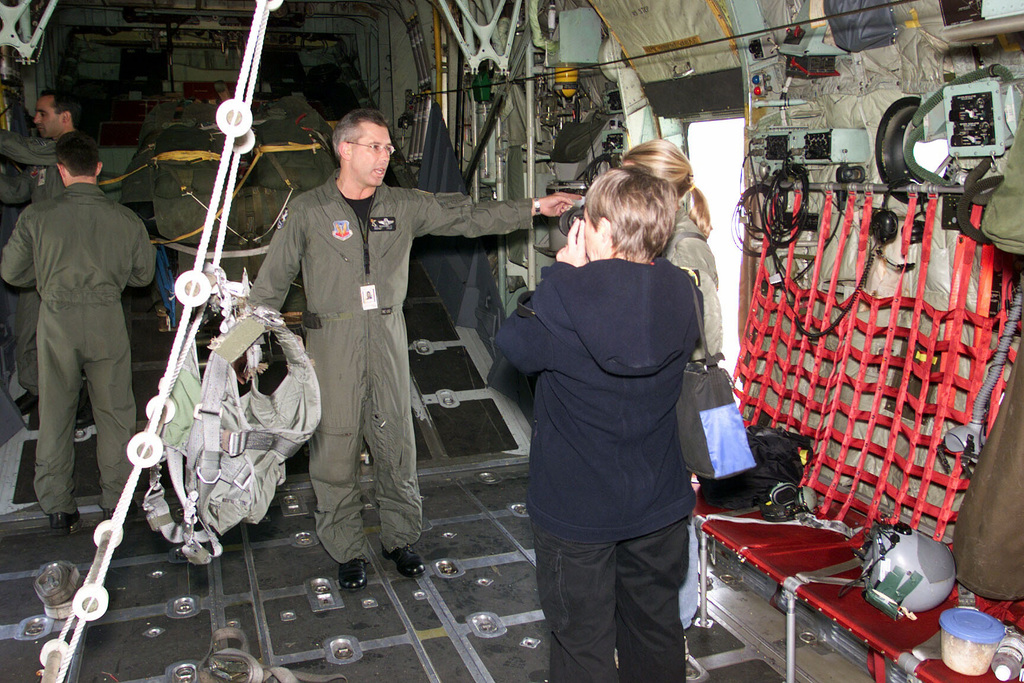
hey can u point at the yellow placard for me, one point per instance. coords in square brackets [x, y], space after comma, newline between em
[674, 45]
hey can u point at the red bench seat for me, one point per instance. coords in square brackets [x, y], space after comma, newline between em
[784, 551]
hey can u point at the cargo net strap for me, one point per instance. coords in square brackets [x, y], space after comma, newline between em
[890, 375]
[193, 289]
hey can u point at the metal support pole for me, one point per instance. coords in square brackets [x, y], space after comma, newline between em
[531, 167]
[702, 581]
[474, 179]
[790, 637]
[789, 588]
[500, 194]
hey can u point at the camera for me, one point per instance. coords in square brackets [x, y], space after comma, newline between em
[569, 216]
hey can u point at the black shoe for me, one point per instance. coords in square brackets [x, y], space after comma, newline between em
[65, 522]
[133, 510]
[26, 402]
[83, 416]
[407, 562]
[352, 574]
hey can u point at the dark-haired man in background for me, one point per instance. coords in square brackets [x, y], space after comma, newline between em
[80, 251]
[57, 113]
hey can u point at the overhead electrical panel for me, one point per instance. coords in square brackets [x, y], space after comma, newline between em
[768, 150]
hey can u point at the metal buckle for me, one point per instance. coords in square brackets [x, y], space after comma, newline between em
[200, 408]
[232, 443]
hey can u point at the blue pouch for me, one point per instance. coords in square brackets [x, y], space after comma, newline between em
[711, 430]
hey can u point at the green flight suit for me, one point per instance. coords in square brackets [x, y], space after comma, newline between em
[361, 356]
[40, 180]
[80, 251]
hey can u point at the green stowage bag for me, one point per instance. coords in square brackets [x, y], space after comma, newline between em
[1002, 221]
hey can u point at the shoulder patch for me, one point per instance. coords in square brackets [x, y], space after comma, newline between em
[342, 230]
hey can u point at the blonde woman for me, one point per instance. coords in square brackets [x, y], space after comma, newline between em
[688, 247]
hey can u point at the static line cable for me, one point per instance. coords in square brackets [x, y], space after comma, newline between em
[193, 289]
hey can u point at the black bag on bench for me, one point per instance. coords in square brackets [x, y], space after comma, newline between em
[777, 453]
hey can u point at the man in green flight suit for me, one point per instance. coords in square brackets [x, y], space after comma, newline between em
[80, 251]
[57, 113]
[351, 237]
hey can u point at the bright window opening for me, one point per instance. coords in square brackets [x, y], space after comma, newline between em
[716, 153]
[930, 155]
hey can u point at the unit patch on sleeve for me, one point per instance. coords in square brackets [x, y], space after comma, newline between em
[281, 220]
[341, 231]
[386, 224]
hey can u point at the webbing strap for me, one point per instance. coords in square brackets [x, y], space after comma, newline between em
[830, 574]
[237, 665]
[845, 331]
[187, 155]
[214, 387]
[236, 443]
[881, 390]
[801, 371]
[287, 147]
[821, 349]
[280, 171]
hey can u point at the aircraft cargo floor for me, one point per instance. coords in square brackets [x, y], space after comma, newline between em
[474, 616]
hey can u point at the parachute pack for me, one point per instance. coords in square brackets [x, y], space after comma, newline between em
[175, 167]
[225, 452]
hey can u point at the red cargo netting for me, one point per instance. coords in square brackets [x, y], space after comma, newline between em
[879, 391]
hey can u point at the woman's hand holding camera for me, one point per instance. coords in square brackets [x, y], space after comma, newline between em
[575, 250]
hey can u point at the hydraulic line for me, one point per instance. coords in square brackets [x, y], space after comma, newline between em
[980, 412]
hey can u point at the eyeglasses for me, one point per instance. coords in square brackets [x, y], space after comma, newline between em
[376, 147]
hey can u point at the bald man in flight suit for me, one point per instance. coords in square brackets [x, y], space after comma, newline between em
[351, 237]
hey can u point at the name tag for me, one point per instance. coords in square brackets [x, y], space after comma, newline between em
[386, 224]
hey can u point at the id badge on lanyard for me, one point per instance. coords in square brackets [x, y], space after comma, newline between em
[368, 296]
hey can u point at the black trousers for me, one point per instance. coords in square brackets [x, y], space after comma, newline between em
[624, 596]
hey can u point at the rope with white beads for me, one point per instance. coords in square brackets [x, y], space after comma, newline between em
[193, 289]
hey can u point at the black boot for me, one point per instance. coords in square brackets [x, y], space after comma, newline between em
[26, 402]
[407, 562]
[65, 522]
[83, 418]
[352, 574]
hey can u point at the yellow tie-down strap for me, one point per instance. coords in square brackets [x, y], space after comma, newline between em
[176, 155]
[195, 155]
[287, 147]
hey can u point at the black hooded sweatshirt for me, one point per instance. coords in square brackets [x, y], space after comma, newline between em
[610, 341]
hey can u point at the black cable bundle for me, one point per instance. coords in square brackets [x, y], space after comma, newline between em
[779, 231]
[599, 165]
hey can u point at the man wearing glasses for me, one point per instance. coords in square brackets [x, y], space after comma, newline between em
[351, 238]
